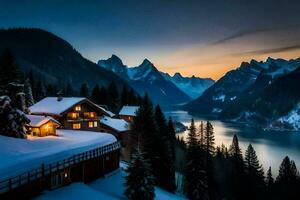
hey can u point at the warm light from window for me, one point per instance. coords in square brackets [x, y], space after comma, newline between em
[46, 127]
[78, 108]
[91, 125]
[95, 124]
[74, 115]
[77, 126]
[92, 114]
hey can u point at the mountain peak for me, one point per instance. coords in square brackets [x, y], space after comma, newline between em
[269, 60]
[146, 62]
[115, 59]
[177, 75]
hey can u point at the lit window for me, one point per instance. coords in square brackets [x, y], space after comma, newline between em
[91, 125]
[92, 115]
[95, 124]
[74, 115]
[78, 108]
[77, 126]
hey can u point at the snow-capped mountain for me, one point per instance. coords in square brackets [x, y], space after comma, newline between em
[240, 84]
[146, 78]
[192, 86]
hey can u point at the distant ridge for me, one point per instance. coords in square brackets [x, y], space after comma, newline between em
[53, 59]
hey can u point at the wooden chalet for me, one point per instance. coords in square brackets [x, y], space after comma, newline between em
[128, 113]
[41, 125]
[73, 113]
[78, 114]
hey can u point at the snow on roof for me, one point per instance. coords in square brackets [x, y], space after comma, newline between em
[111, 114]
[50, 105]
[119, 125]
[20, 155]
[129, 110]
[38, 120]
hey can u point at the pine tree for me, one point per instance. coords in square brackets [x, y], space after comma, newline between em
[113, 93]
[29, 101]
[139, 182]
[32, 83]
[68, 90]
[201, 133]
[104, 96]
[164, 170]
[254, 174]
[287, 171]
[269, 178]
[125, 96]
[237, 172]
[195, 185]
[172, 137]
[96, 95]
[10, 72]
[84, 90]
[287, 182]
[209, 139]
[144, 133]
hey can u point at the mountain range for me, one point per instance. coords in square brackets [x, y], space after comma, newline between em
[161, 87]
[53, 59]
[193, 86]
[259, 93]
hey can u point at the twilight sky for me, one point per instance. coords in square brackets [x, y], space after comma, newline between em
[203, 38]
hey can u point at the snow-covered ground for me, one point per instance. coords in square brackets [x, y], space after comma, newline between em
[109, 188]
[20, 155]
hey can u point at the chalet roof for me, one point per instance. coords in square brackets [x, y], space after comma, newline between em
[51, 105]
[119, 125]
[111, 114]
[129, 110]
[38, 120]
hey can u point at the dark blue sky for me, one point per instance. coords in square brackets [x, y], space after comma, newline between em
[187, 36]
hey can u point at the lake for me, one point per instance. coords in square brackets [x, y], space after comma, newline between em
[271, 147]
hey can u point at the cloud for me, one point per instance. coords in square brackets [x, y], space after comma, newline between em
[246, 33]
[268, 51]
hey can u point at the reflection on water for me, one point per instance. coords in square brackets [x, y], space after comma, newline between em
[271, 147]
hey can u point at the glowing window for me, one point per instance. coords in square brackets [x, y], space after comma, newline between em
[95, 124]
[77, 126]
[92, 114]
[78, 108]
[91, 125]
[75, 115]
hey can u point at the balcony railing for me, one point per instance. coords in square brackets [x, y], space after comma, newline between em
[15, 182]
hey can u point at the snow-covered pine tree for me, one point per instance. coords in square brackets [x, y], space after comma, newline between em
[29, 101]
[139, 182]
[12, 119]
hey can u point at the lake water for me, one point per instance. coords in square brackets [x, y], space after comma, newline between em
[271, 147]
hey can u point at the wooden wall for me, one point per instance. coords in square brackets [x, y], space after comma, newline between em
[85, 171]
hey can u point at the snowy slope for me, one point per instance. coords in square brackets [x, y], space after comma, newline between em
[291, 121]
[110, 188]
[19, 155]
[252, 75]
